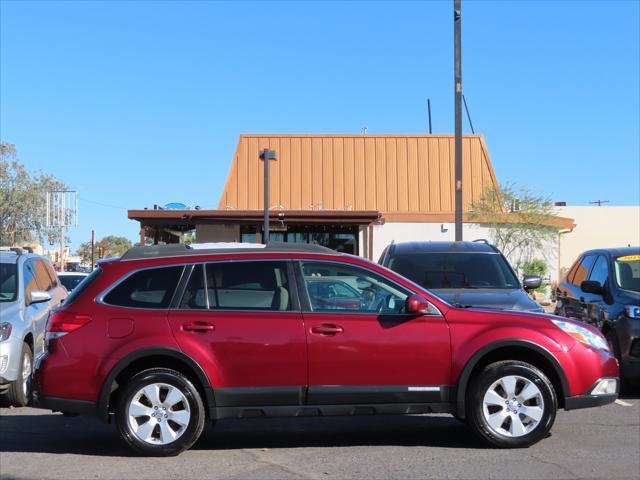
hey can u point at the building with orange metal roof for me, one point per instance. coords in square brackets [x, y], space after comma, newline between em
[354, 193]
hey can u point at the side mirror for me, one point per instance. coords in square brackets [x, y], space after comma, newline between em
[591, 286]
[418, 305]
[531, 282]
[38, 296]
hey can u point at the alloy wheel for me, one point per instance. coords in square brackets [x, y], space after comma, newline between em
[26, 373]
[158, 413]
[513, 406]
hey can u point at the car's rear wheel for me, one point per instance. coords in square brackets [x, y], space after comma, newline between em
[160, 412]
[511, 404]
[19, 391]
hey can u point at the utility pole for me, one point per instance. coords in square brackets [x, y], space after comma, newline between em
[93, 248]
[62, 225]
[457, 40]
[266, 156]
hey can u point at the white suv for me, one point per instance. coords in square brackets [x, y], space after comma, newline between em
[29, 289]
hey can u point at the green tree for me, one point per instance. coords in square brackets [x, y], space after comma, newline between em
[521, 222]
[110, 246]
[23, 201]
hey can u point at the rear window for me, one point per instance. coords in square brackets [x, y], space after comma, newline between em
[82, 286]
[150, 288]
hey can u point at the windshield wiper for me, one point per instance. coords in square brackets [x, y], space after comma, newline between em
[459, 305]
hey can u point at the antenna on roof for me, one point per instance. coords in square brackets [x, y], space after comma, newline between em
[599, 202]
[364, 130]
[429, 112]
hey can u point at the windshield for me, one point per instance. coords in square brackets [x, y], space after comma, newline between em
[456, 270]
[627, 270]
[83, 285]
[71, 281]
[8, 282]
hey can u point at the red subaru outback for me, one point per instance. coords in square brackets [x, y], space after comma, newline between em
[167, 337]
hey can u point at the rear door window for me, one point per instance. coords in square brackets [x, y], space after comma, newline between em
[245, 286]
[149, 288]
[194, 297]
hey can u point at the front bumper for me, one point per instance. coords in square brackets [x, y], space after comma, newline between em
[10, 352]
[593, 399]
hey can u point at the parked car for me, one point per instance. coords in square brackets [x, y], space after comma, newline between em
[71, 280]
[29, 290]
[463, 273]
[602, 288]
[168, 337]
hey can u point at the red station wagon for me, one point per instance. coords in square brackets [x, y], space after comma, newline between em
[168, 337]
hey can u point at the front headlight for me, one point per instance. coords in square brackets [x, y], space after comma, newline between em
[583, 335]
[632, 311]
[5, 331]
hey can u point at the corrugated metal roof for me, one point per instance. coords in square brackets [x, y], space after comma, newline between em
[388, 173]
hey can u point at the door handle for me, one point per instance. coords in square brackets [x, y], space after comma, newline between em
[198, 327]
[327, 329]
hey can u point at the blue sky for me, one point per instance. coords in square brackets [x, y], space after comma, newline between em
[136, 103]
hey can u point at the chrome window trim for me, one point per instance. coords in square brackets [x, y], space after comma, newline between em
[374, 273]
[100, 298]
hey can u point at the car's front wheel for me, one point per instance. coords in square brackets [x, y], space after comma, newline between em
[160, 412]
[511, 404]
[19, 392]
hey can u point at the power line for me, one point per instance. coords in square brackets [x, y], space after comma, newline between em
[102, 204]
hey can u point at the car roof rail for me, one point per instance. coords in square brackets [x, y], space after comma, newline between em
[180, 249]
[17, 250]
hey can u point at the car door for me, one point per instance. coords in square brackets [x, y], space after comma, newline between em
[571, 295]
[596, 304]
[243, 320]
[369, 351]
[35, 278]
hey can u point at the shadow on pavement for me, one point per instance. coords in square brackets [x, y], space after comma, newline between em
[630, 393]
[56, 433]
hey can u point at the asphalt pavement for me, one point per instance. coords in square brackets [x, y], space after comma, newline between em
[599, 443]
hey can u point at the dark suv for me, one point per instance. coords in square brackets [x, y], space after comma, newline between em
[472, 274]
[603, 288]
[170, 336]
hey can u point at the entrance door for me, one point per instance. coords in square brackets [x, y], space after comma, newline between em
[363, 347]
[243, 321]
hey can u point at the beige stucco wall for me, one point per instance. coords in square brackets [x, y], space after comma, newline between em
[598, 227]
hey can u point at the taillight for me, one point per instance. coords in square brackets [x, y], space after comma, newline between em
[62, 322]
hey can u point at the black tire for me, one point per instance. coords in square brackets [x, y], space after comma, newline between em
[187, 437]
[614, 346]
[482, 382]
[16, 396]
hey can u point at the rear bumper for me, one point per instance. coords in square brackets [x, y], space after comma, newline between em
[590, 399]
